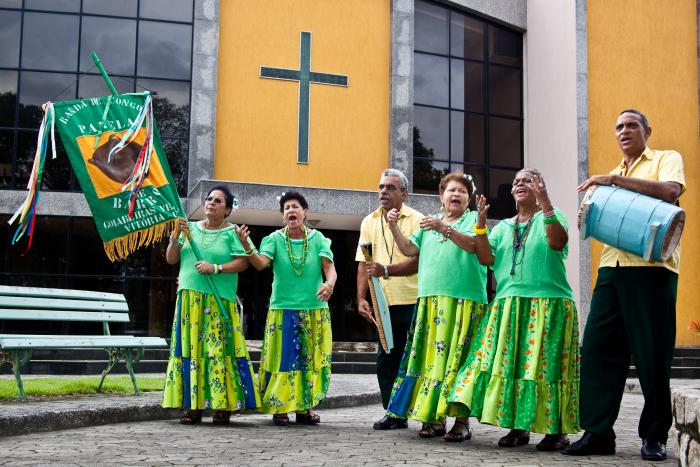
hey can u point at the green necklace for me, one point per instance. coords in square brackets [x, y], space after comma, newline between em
[209, 238]
[519, 238]
[293, 259]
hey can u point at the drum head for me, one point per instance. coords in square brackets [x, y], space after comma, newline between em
[581, 212]
[673, 235]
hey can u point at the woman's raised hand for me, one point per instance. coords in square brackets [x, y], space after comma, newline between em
[539, 188]
[482, 209]
[243, 235]
[432, 223]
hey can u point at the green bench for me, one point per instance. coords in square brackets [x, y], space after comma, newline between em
[40, 304]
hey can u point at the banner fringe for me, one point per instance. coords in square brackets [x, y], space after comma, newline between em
[119, 249]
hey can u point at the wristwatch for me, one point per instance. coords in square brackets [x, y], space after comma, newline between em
[386, 271]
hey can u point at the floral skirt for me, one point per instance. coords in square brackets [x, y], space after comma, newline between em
[523, 370]
[437, 345]
[209, 365]
[295, 365]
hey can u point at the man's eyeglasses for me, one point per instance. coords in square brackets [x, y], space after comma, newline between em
[211, 199]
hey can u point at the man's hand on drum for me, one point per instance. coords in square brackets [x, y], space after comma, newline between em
[606, 179]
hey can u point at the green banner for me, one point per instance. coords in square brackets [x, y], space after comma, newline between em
[115, 150]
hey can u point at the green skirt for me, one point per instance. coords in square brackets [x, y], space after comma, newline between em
[437, 345]
[295, 365]
[523, 370]
[209, 366]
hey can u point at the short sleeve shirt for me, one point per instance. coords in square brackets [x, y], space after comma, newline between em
[399, 290]
[216, 247]
[656, 165]
[444, 269]
[296, 290]
[539, 271]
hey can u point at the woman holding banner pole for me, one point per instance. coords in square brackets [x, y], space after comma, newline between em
[451, 301]
[295, 363]
[209, 365]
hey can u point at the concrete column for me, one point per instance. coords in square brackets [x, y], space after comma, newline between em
[204, 82]
[401, 126]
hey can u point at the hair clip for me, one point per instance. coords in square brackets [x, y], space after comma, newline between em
[470, 179]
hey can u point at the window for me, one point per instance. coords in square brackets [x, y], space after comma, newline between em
[143, 44]
[467, 103]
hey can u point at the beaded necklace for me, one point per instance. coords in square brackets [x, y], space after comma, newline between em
[292, 258]
[208, 239]
[442, 237]
[519, 238]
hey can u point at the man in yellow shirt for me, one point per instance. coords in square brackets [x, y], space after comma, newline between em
[633, 310]
[397, 275]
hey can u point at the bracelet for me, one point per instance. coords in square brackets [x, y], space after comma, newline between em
[174, 241]
[386, 271]
[329, 285]
[550, 220]
[448, 232]
[216, 269]
[479, 231]
[251, 251]
[549, 214]
[221, 268]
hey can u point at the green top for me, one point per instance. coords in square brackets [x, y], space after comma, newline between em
[539, 270]
[447, 270]
[289, 291]
[216, 247]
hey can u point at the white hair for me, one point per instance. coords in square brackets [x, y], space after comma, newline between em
[403, 180]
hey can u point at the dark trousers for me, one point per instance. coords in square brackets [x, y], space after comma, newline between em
[633, 312]
[388, 363]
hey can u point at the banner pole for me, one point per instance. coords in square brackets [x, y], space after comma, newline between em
[98, 63]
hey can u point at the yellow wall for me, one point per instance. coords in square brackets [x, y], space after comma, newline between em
[256, 120]
[643, 54]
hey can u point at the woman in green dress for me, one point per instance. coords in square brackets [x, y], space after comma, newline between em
[451, 301]
[209, 365]
[295, 364]
[522, 372]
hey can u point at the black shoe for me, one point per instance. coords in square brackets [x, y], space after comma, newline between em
[590, 445]
[390, 423]
[653, 450]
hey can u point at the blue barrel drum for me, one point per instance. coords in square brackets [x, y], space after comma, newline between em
[632, 222]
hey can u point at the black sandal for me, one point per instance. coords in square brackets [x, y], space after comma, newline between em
[280, 419]
[431, 431]
[553, 442]
[514, 438]
[191, 417]
[308, 418]
[221, 417]
[455, 436]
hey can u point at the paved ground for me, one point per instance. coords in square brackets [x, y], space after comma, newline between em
[345, 437]
[346, 390]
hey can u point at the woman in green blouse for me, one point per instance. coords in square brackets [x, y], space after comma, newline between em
[295, 365]
[523, 371]
[451, 301]
[209, 365]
